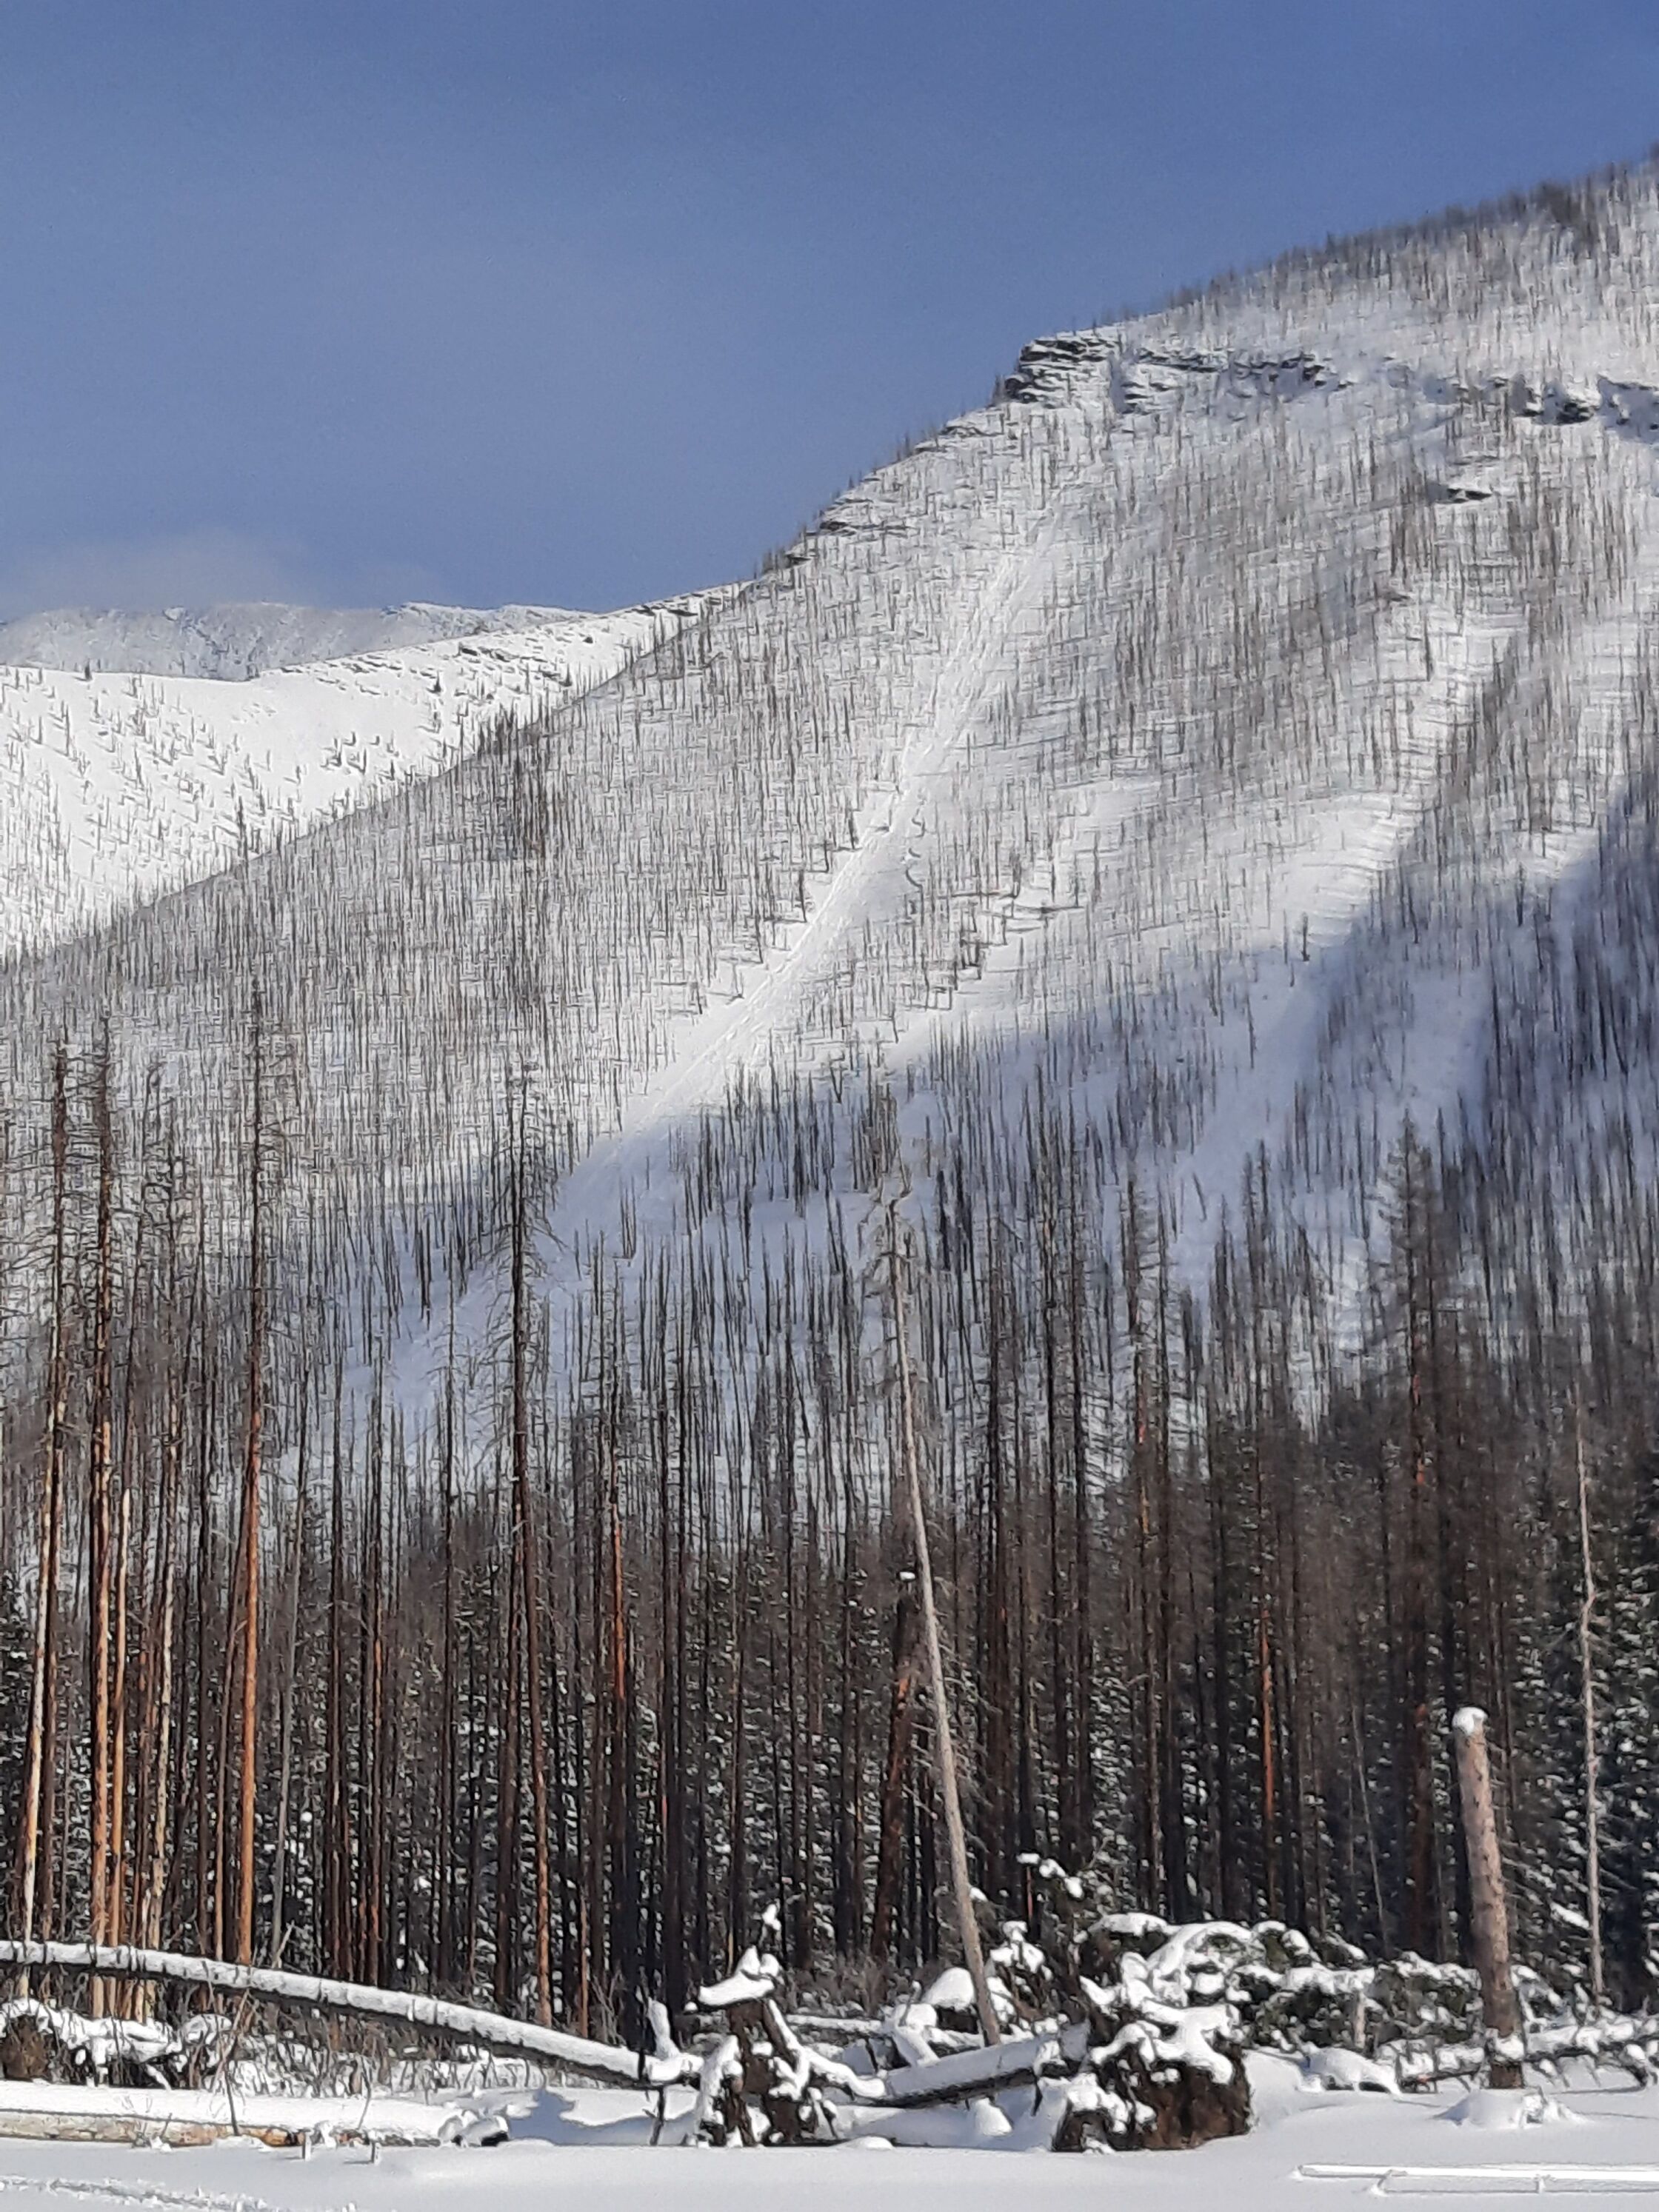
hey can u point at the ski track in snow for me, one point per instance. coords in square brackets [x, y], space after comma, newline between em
[113, 2191]
[708, 1051]
[702, 1062]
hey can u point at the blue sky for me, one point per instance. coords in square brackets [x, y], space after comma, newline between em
[361, 300]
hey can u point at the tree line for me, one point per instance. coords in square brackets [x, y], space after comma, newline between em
[548, 1700]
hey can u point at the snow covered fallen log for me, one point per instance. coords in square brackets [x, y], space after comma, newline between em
[490, 2031]
[1014, 2063]
[179, 2119]
[1628, 2041]
[40, 2043]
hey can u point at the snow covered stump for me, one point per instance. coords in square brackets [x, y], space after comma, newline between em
[773, 2068]
[25, 2053]
[1170, 2076]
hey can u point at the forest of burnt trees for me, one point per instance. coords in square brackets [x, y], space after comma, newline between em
[1023, 918]
[289, 1677]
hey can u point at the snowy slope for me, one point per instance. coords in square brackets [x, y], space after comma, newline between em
[240, 639]
[115, 787]
[1270, 695]
[1240, 734]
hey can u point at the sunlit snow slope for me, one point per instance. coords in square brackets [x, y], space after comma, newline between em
[117, 782]
[1240, 734]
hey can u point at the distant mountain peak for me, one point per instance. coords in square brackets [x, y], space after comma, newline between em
[237, 640]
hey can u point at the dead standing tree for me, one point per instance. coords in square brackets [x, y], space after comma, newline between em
[527, 1556]
[248, 1573]
[1592, 1754]
[1498, 2001]
[950, 1796]
[100, 1546]
[43, 1683]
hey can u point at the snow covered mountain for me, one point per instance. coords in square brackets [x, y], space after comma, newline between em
[1238, 736]
[141, 751]
[1152, 904]
[240, 639]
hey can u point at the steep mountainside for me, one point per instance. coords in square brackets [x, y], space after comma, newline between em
[118, 782]
[1239, 735]
[1149, 907]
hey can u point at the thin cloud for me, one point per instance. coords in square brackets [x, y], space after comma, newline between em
[193, 568]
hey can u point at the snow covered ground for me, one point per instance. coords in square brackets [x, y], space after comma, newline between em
[1312, 2147]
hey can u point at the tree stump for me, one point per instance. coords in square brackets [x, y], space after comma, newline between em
[25, 2055]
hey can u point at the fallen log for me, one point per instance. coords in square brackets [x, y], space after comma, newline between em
[749, 1998]
[51, 2112]
[1630, 2042]
[1015, 2063]
[572, 2054]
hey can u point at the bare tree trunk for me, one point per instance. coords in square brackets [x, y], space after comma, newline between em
[339, 1947]
[43, 1675]
[443, 1887]
[115, 1903]
[1587, 1670]
[1492, 1928]
[285, 1754]
[250, 1563]
[624, 1917]
[890, 1847]
[967, 1924]
[528, 1556]
[158, 1660]
[507, 1804]
[100, 1534]
[1417, 1763]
